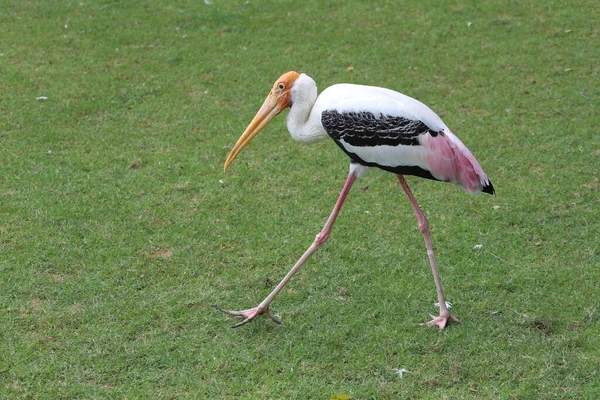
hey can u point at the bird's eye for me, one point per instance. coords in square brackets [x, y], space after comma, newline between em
[281, 86]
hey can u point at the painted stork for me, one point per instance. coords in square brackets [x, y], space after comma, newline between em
[375, 127]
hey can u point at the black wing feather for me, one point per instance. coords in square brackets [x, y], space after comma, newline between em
[364, 129]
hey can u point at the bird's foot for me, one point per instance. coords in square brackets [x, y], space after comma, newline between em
[442, 320]
[249, 314]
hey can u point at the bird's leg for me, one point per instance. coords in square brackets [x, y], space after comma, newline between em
[263, 307]
[445, 315]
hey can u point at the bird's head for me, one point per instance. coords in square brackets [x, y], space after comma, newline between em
[278, 100]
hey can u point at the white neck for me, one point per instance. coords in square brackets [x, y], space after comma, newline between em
[304, 126]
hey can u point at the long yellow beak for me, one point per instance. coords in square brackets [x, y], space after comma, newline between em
[267, 112]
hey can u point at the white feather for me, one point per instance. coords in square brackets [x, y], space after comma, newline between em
[302, 122]
[390, 156]
[359, 98]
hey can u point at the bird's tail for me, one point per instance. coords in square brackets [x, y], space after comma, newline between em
[450, 160]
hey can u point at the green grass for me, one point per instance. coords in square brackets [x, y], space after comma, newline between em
[117, 234]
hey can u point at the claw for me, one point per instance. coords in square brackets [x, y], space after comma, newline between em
[441, 321]
[248, 315]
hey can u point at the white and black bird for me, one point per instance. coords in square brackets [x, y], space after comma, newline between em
[375, 127]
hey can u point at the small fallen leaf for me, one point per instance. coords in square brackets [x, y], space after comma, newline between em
[134, 164]
[496, 207]
[351, 68]
[340, 397]
[161, 252]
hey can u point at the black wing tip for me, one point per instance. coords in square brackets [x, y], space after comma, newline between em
[489, 188]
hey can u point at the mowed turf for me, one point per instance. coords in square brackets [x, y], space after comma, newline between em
[119, 228]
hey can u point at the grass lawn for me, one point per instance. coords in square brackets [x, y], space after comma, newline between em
[119, 228]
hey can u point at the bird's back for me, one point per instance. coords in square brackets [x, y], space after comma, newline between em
[346, 97]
